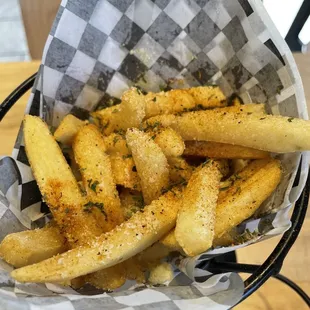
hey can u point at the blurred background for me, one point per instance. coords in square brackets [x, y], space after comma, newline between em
[25, 24]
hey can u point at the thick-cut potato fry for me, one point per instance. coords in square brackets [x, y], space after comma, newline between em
[151, 163]
[68, 128]
[166, 119]
[141, 231]
[243, 198]
[222, 150]
[167, 139]
[32, 246]
[57, 184]
[170, 242]
[125, 172]
[161, 274]
[195, 224]
[179, 170]
[170, 142]
[95, 167]
[129, 113]
[116, 144]
[131, 201]
[208, 96]
[271, 133]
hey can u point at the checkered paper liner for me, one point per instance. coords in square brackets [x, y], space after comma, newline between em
[97, 49]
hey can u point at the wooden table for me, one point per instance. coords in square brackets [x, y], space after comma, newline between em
[273, 294]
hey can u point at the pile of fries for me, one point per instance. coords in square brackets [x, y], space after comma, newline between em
[159, 174]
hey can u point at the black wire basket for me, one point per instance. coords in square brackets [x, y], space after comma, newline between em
[227, 262]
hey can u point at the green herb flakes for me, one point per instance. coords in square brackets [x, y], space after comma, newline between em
[89, 205]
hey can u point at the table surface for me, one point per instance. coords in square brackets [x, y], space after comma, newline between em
[273, 294]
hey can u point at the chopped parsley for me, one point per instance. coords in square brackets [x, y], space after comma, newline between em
[92, 185]
[290, 119]
[205, 162]
[67, 210]
[178, 168]
[139, 201]
[116, 139]
[224, 188]
[115, 111]
[89, 205]
[154, 99]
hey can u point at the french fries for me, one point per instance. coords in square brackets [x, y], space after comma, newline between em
[32, 246]
[57, 184]
[151, 163]
[68, 128]
[95, 167]
[152, 104]
[170, 142]
[222, 150]
[243, 198]
[179, 170]
[141, 231]
[103, 234]
[195, 224]
[269, 132]
[129, 113]
[125, 171]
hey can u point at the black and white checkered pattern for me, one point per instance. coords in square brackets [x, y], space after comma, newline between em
[97, 49]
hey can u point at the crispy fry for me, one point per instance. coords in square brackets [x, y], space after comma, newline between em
[129, 113]
[242, 199]
[222, 150]
[57, 183]
[151, 163]
[32, 246]
[171, 242]
[271, 133]
[179, 170]
[170, 142]
[195, 224]
[141, 231]
[116, 144]
[172, 101]
[68, 128]
[125, 172]
[161, 274]
[208, 96]
[95, 167]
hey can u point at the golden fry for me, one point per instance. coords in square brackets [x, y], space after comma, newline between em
[195, 224]
[271, 133]
[141, 231]
[57, 184]
[222, 150]
[95, 167]
[68, 128]
[151, 163]
[129, 113]
[170, 142]
[125, 172]
[242, 199]
[32, 246]
[179, 170]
